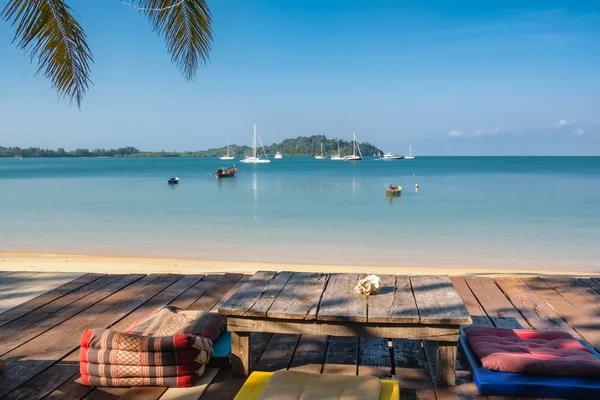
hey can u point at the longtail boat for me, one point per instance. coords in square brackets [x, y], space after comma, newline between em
[393, 190]
[226, 172]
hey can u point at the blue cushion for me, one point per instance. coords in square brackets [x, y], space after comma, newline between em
[222, 347]
[509, 384]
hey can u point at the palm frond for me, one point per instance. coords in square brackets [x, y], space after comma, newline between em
[48, 32]
[186, 26]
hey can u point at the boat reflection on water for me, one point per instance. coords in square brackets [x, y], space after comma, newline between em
[255, 194]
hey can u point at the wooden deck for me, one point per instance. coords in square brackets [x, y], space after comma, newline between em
[39, 335]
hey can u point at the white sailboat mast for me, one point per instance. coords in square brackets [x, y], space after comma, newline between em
[254, 142]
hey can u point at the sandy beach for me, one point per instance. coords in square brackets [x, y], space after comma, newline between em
[132, 265]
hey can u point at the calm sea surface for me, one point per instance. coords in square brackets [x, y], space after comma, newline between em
[504, 212]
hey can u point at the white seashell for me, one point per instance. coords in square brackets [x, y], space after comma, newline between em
[368, 285]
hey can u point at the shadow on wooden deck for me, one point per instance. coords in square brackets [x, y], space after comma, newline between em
[39, 338]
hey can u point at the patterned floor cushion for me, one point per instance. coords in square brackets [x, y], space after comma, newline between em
[169, 320]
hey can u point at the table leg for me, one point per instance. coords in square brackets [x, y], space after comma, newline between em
[240, 353]
[446, 363]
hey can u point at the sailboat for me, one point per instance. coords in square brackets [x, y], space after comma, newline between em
[338, 156]
[255, 158]
[354, 156]
[321, 157]
[227, 157]
[410, 154]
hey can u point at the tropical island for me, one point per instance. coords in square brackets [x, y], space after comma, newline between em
[296, 147]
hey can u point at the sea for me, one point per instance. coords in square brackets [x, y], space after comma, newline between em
[534, 213]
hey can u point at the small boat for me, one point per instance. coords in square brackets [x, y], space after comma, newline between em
[278, 155]
[354, 156]
[228, 156]
[393, 190]
[174, 180]
[255, 158]
[226, 172]
[338, 156]
[390, 156]
[410, 154]
[321, 157]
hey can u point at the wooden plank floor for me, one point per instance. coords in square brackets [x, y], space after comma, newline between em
[39, 335]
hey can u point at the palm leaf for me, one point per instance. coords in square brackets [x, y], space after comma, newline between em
[185, 24]
[46, 30]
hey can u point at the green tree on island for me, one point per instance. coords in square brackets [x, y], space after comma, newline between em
[49, 33]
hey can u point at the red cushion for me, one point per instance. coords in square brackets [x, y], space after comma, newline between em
[550, 353]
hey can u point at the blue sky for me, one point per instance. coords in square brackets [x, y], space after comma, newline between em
[448, 77]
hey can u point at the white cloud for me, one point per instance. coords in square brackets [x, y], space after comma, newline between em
[479, 132]
[561, 122]
[455, 134]
[578, 132]
[496, 130]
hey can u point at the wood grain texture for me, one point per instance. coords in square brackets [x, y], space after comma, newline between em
[270, 292]
[53, 314]
[40, 284]
[587, 324]
[230, 293]
[44, 350]
[300, 297]
[193, 393]
[342, 356]
[248, 294]
[438, 302]
[278, 353]
[340, 302]
[463, 387]
[374, 358]
[446, 364]
[310, 354]
[190, 296]
[577, 293]
[43, 299]
[477, 312]
[57, 382]
[448, 333]
[593, 283]
[216, 292]
[16, 280]
[410, 367]
[500, 310]
[394, 303]
[534, 309]
[240, 353]
[46, 316]
[31, 303]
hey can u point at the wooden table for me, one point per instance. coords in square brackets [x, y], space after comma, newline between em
[416, 307]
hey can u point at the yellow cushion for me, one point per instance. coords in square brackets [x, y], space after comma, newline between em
[257, 381]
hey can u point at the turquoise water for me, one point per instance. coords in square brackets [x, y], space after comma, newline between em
[500, 212]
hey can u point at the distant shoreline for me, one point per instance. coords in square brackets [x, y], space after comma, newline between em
[302, 146]
[122, 264]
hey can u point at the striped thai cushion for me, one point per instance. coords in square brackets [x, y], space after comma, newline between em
[169, 320]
